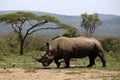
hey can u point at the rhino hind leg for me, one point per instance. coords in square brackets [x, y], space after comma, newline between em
[67, 62]
[92, 60]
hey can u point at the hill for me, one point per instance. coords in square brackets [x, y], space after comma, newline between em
[110, 26]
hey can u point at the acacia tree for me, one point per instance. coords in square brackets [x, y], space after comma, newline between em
[26, 23]
[71, 32]
[90, 22]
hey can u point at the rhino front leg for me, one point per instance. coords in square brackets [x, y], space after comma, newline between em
[67, 61]
[57, 63]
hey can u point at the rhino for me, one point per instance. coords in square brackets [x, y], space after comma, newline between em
[67, 48]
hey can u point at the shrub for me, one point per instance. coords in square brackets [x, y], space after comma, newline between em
[9, 43]
[35, 42]
[111, 44]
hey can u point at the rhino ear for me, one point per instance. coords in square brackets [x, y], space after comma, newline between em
[48, 46]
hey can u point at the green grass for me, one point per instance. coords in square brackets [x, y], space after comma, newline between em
[113, 61]
[26, 61]
[77, 67]
[17, 61]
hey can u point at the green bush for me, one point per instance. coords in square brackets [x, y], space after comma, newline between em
[35, 42]
[9, 43]
[111, 44]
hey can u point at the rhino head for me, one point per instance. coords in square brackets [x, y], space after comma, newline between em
[46, 59]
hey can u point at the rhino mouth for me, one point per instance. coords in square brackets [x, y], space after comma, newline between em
[45, 64]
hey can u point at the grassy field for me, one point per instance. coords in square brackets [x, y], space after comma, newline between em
[26, 61]
[24, 67]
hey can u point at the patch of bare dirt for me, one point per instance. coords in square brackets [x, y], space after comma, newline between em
[57, 74]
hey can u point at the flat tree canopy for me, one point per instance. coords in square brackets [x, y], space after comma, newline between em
[19, 20]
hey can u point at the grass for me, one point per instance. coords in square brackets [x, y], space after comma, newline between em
[77, 66]
[26, 61]
[17, 61]
[112, 62]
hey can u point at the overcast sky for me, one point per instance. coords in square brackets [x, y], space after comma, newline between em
[64, 7]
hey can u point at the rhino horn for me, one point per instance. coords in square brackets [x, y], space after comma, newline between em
[37, 59]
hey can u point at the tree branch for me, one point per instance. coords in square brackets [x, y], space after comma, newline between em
[43, 29]
[30, 22]
[38, 24]
[22, 22]
[15, 30]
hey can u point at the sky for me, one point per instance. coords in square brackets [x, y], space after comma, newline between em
[64, 7]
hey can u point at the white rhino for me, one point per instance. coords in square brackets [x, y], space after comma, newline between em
[67, 48]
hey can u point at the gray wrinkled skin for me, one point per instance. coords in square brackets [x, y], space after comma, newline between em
[67, 48]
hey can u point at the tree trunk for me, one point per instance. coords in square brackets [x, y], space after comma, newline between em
[21, 47]
[21, 43]
[87, 32]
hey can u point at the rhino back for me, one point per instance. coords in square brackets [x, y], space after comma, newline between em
[67, 44]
